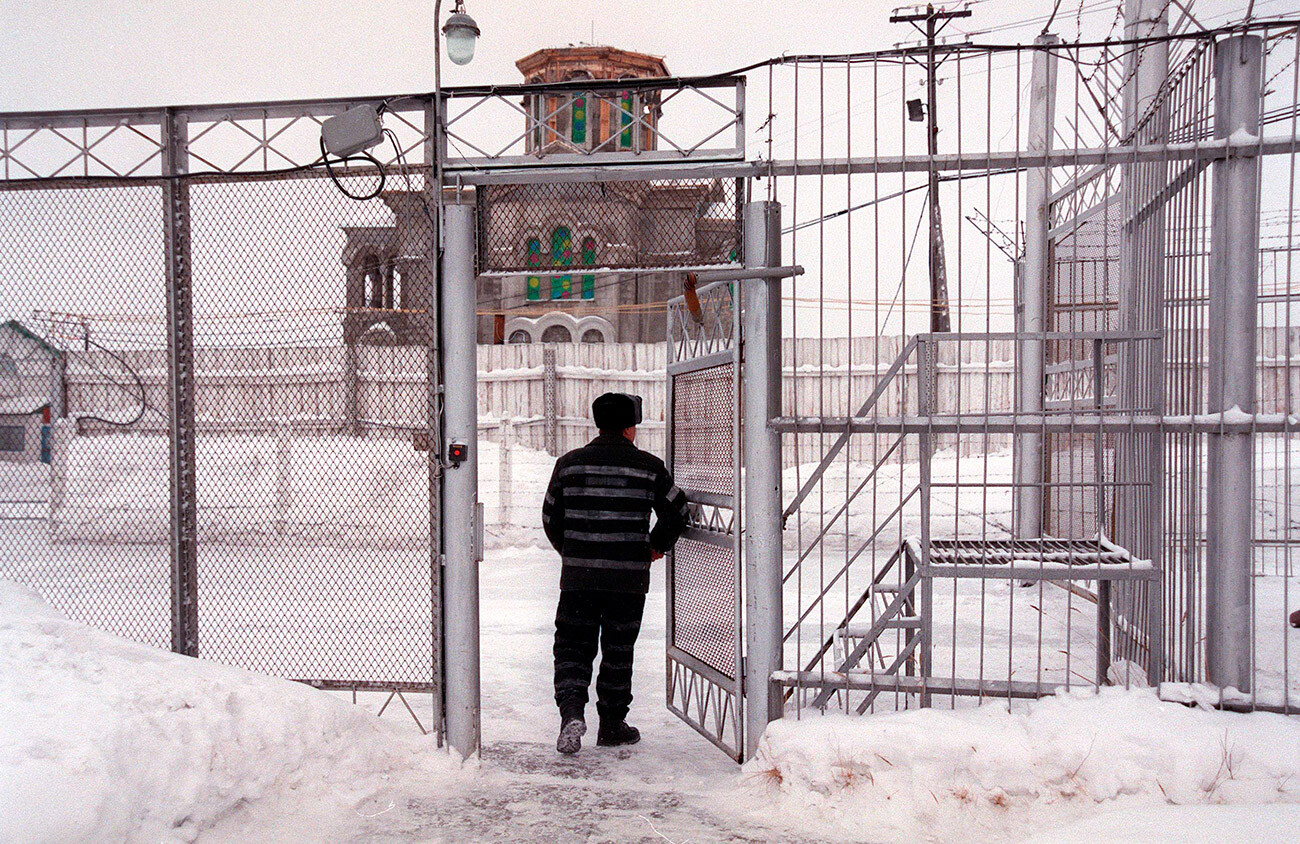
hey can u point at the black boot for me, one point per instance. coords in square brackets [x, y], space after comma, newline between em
[616, 733]
[571, 732]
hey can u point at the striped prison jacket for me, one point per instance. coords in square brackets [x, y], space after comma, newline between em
[597, 514]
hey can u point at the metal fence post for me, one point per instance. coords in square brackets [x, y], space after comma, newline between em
[180, 387]
[61, 433]
[1140, 466]
[505, 435]
[1035, 272]
[460, 481]
[283, 474]
[761, 444]
[550, 400]
[428, 272]
[927, 357]
[1234, 271]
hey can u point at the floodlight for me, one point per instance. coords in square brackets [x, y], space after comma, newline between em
[462, 34]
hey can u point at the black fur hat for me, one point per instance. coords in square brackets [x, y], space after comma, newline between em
[616, 411]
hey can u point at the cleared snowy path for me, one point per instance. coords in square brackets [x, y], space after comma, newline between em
[672, 785]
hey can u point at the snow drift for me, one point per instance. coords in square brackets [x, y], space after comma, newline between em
[995, 773]
[102, 739]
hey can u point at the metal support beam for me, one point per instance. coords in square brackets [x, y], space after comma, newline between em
[1013, 160]
[428, 239]
[180, 389]
[1035, 269]
[761, 396]
[459, 347]
[1138, 522]
[1234, 280]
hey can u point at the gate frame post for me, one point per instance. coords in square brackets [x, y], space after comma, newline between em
[760, 348]
[1035, 272]
[1232, 322]
[459, 304]
[180, 387]
[1138, 519]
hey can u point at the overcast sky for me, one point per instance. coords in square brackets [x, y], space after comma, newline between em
[57, 54]
[67, 54]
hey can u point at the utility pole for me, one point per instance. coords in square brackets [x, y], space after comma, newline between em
[935, 20]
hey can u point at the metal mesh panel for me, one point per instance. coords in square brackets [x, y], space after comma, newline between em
[556, 229]
[311, 331]
[704, 603]
[703, 433]
[312, 326]
[78, 259]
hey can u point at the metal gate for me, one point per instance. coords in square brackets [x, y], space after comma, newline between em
[238, 361]
[705, 669]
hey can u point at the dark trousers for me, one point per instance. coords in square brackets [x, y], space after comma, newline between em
[584, 619]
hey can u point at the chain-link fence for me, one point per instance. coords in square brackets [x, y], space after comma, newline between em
[220, 464]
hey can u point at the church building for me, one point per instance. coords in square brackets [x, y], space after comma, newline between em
[550, 233]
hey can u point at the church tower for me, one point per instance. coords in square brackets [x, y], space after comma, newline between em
[611, 121]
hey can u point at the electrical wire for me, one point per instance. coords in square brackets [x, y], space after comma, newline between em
[139, 383]
[364, 156]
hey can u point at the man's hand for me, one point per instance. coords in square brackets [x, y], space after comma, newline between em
[656, 555]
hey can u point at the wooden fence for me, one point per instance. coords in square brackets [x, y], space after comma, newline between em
[543, 393]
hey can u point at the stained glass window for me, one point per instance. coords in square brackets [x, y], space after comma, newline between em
[561, 256]
[579, 131]
[589, 260]
[625, 139]
[534, 260]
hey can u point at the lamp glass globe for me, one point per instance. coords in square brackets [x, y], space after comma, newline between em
[462, 36]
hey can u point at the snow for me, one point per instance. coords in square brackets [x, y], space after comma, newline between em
[995, 773]
[1184, 824]
[103, 739]
[106, 739]
[260, 488]
[1242, 136]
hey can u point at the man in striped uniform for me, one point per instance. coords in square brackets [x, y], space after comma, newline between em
[597, 515]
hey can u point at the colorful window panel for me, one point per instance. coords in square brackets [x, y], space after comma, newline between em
[578, 131]
[625, 139]
[534, 260]
[561, 256]
[589, 260]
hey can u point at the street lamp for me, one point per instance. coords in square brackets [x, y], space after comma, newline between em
[462, 34]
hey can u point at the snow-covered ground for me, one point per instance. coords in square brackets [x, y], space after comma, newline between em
[255, 488]
[994, 774]
[100, 737]
[104, 739]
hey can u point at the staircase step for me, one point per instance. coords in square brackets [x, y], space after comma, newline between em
[859, 630]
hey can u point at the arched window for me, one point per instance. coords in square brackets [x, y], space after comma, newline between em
[578, 123]
[371, 282]
[561, 256]
[578, 131]
[386, 299]
[556, 334]
[534, 261]
[519, 336]
[626, 111]
[535, 106]
[591, 335]
[589, 260]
